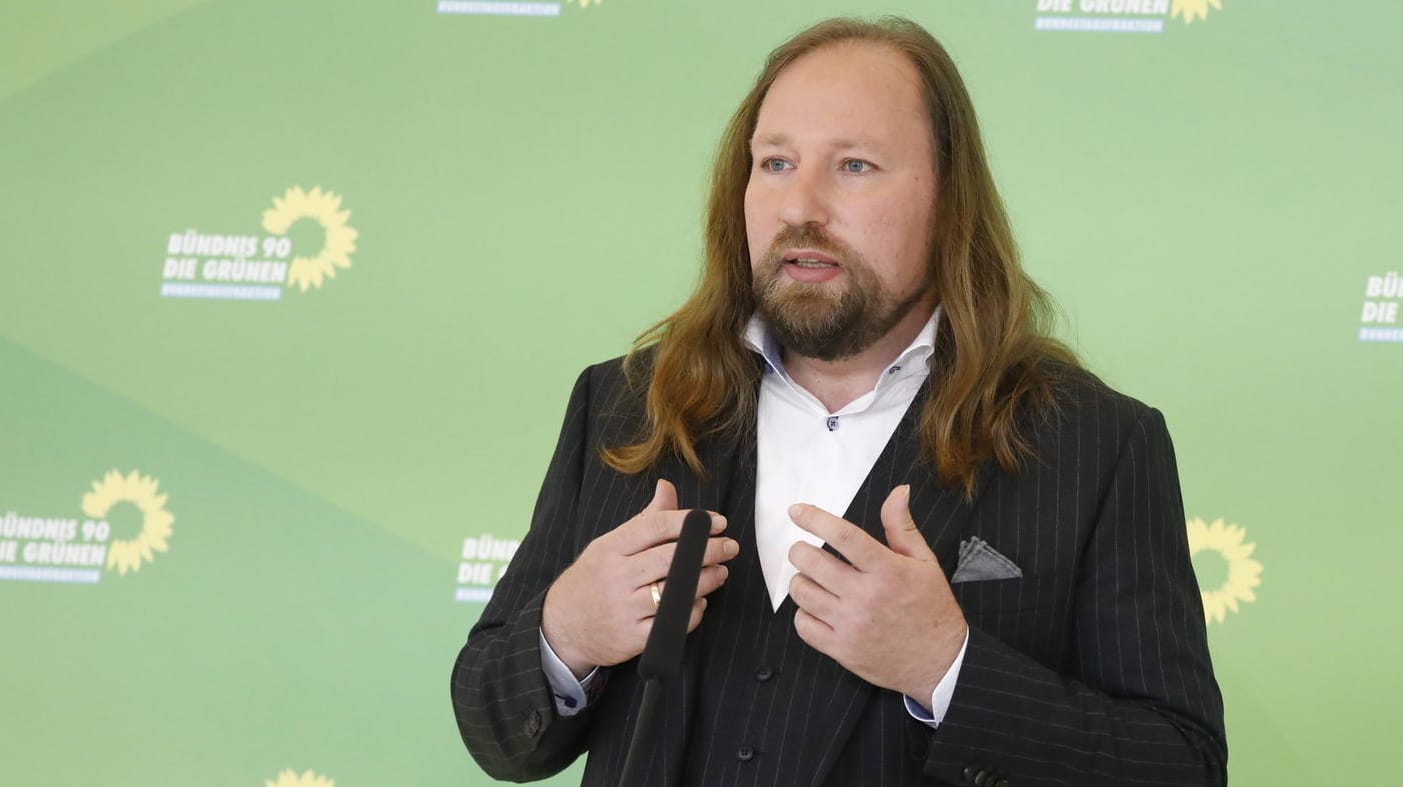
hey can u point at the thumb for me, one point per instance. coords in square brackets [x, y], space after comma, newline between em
[664, 497]
[902, 535]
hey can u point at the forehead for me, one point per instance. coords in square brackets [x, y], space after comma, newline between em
[861, 92]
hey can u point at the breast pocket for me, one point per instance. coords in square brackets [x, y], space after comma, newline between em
[1031, 613]
[1028, 593]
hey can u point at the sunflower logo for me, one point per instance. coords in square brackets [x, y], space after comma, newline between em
[289, 778]
[140, 491]
[323, 207]
[1193, 9]
[1244, 573]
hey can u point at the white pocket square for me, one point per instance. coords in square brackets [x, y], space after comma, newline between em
[979, 562]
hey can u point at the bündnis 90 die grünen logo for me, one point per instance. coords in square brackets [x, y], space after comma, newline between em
[1236, 577]
[125, 525]
[306, 239]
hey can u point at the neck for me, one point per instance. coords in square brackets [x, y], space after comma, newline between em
[837, 383]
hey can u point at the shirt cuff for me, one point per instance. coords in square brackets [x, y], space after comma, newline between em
[939, 699]
[571, 695]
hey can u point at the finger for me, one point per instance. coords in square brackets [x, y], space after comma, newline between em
[712, 578]
[642, 603]
[822, 567]
[643, 531]
[862, 550]
[814, 599]
[646, 530]
[660, 521]
[698, 607]
[664, 497]
[816, 633]
[902, 535]
[654, 563]
[719, 550]
[651, 528]
[651, 564]
[710, 581]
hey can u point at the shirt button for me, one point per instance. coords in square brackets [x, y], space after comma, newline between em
[764, 673]
[833, 423]
[745, 754]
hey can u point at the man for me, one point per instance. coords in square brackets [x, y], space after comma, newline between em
[940, 553]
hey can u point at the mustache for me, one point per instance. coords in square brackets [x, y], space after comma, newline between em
[808, 237]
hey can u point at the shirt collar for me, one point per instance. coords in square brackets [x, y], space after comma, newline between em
[757, 337]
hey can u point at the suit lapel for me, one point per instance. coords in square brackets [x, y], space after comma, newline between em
[938, 510]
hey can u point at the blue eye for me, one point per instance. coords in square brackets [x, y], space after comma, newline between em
[774, 165]
[856, 166]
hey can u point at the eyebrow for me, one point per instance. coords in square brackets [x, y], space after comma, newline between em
[779, 140]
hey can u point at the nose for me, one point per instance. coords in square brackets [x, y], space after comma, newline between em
[804, 199]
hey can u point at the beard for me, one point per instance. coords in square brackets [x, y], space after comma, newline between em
[819, 320]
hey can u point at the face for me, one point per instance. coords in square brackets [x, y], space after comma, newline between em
[840, 201]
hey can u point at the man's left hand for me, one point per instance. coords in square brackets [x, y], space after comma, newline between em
[887, 615]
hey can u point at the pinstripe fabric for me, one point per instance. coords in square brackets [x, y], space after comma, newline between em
[1090, 669]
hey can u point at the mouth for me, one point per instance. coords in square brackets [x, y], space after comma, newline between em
[808, 266]
[810, 260]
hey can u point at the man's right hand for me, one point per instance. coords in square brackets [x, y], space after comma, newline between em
[599, 611]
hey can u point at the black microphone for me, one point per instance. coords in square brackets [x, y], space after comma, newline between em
[661, 660]
[662, 655]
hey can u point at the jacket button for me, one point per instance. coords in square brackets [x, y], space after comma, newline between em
[745, 754]
[764, 673]
[533, 724]
[976, 776]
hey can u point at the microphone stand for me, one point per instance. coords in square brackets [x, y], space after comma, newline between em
[647, 713]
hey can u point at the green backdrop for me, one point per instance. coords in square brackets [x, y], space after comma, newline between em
[292, 294]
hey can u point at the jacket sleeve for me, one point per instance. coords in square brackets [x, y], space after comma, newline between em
[504, 706]
[1138, 704]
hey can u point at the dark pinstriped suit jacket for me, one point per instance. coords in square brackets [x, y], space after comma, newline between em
[1090, 669]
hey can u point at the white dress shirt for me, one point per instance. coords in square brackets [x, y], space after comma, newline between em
[806, 454]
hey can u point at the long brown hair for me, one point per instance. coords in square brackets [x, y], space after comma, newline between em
[994, 362]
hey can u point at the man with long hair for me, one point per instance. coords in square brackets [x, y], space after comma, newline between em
[941, 552]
